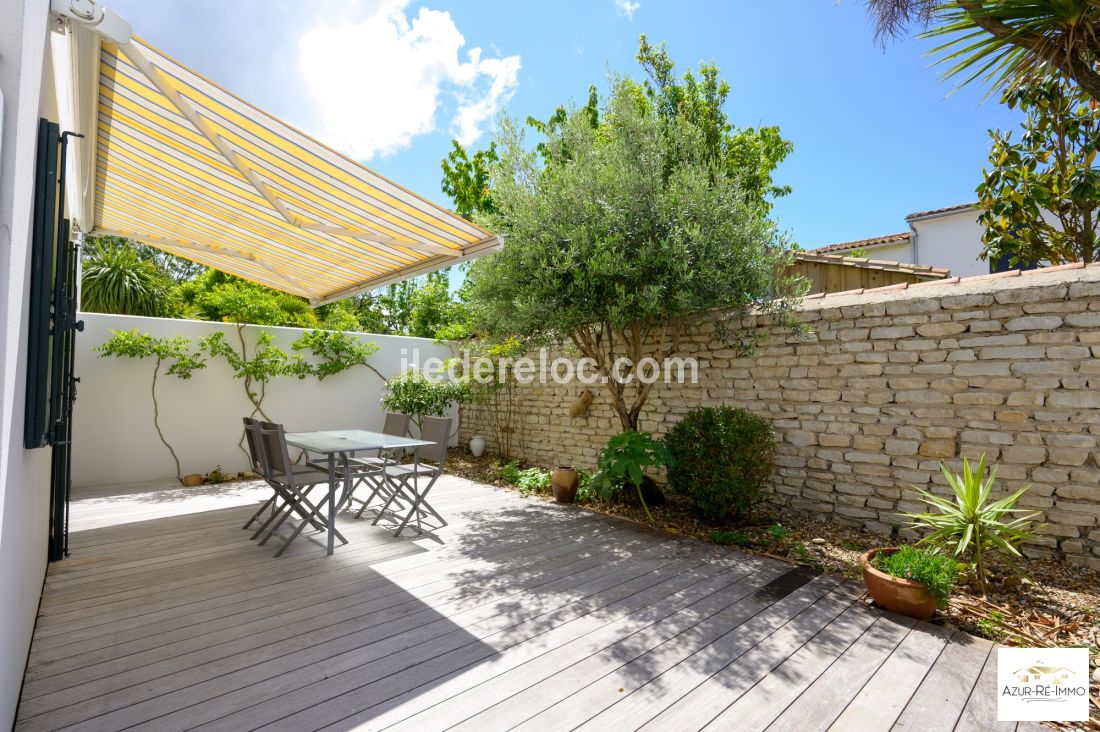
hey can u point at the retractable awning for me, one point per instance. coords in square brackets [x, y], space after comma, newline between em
[176, 162]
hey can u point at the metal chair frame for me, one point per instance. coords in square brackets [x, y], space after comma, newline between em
[404, 480]
[291, 486]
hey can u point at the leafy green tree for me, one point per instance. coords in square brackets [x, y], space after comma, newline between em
[466, 179]
[434, 312]
[751, 154]
[627, 231]
[115, 279]
[1041, 194]
[177, 350]
[1004, 42]
[222, 297]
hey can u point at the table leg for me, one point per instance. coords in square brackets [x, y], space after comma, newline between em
[331, 503]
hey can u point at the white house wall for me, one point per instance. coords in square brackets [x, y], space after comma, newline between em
[898, 252]
[113, 436]
[952, 241]
[24, 474]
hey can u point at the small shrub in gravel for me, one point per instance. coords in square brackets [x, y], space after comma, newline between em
[723, 458]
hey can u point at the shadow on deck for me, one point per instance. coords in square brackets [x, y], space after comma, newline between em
[520, 614]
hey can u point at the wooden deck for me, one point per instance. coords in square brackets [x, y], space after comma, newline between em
[519, 615]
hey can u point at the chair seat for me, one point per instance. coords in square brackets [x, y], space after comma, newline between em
[411, 469]
[306, 476]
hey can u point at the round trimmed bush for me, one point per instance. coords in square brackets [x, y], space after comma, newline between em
[723, 458]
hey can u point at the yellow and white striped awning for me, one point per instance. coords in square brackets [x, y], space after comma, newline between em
[183, 165]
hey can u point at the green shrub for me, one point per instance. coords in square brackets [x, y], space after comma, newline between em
[729, 537]
[528, 480]
[533, 480]
[723, 459]
[934, 571]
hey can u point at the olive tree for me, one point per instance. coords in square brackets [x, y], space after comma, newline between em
[616, 234]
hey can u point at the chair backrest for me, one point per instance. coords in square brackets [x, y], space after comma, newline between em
[275, 452]
[437, 430]
[396, 424]
[252, 437]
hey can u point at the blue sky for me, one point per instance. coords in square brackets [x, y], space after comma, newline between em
[876, 134]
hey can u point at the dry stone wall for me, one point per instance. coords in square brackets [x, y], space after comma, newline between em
[891, 382]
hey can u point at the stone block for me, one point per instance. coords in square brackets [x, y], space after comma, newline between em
[1034, 322]
[937, 448]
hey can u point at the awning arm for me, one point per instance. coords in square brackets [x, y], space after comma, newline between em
[165, 86]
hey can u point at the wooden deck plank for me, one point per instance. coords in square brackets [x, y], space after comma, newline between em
[980, 711]
[488, 689]
[880, 702]
[699, 707]
[305, 649]
[342, 683]
[239, 633]
[650, 699]
[825, 699]
[758, 707]
[940, 698]
[520, 614]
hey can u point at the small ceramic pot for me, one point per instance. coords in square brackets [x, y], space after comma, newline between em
[192, 479]
[564, 483]
[894, 593]
[477, 445]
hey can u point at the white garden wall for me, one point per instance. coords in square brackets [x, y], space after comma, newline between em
[113, 436]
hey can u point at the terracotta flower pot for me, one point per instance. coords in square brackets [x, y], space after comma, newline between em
[564, 483]
[192, 479]
[893, 593]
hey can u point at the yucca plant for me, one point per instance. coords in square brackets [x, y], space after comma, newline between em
[1005, 43]
[115, 279]
[971, 522]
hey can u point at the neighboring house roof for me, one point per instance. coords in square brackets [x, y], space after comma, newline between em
[941, 211]
[864, 243]
[922, 271]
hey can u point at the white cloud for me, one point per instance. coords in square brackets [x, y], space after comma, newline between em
[378, 78]
[627, 8]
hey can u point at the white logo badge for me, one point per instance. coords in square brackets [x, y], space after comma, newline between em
[1042, 684]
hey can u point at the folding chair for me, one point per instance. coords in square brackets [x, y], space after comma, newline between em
[370, 470]
[404, 480]
[291, 487]
[252, 439]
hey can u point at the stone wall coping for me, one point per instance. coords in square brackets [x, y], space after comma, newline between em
[1066, 274]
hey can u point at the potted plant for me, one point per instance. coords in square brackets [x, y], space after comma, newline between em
[970, 521]
[907, 580]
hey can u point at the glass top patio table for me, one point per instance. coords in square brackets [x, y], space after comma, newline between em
[342, 442]
[330, 442]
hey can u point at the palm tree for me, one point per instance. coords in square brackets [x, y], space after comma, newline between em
[115, 279]
[1004, 42]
